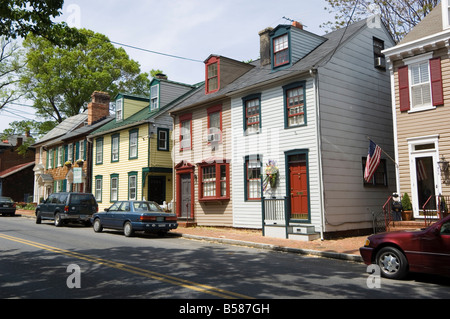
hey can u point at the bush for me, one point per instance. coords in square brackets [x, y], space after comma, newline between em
[406, 202]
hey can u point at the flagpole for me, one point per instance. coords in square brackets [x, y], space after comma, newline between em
[384, 152]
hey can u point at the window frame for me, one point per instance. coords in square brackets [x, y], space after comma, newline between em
[115, 137]
[378, 47]
[245, 101]
[98, 192]
[247, 160]
[154, 101]
[213, 61]
[131, 146]
[133, 175]
[166, 148]
[285, 50]
[286, 89]
[381, 170]
[99, 151]
[183, 119]
[214, 110]
[119, 111]
[111, 189]
[218, 181]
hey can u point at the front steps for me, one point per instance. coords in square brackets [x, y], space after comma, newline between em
[301, 232]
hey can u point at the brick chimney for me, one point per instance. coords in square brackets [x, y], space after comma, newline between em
[98, 109]
[264, 40]
[297, 25]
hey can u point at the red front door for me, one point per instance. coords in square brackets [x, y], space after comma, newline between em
[298, 187]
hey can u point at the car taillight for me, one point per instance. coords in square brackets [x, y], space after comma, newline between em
[148, 218]
[66, 209]
[172, 218]
[14, 205]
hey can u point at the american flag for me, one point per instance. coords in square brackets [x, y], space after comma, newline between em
[373, 160]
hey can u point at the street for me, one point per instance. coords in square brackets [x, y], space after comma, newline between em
[43, 261]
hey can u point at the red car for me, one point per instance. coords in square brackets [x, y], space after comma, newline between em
[397, 253]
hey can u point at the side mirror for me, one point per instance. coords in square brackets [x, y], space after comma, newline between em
[106, 209]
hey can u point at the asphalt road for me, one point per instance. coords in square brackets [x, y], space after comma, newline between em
[45, 262]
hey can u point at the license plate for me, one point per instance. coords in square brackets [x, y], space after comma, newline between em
[5, 205]
[82, 216]
[161, 225]
[159, 219]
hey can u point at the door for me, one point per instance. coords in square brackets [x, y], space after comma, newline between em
[426, 186]
[185, 195]
[157, 189]
[298, 181]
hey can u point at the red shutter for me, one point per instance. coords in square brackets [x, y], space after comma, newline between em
[403, 84]
[436, 82]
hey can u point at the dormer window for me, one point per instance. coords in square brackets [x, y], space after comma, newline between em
[212, 75]
[154, 97]
[281, 50]
[119, 110]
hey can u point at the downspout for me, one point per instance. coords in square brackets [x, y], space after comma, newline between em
[315, 75]
[394, 126]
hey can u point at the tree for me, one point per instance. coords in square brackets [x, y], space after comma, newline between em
[18, 18]
[61, 79]
[10, 65]
[398, 16]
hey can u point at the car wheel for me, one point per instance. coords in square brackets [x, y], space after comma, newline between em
[97, 225]
[58, 220]
[38, 217]
[392, 263]
[128, 229]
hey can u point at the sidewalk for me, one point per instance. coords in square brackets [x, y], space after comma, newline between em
[345, 248]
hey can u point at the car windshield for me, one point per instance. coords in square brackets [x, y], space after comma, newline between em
[146, 207]
[6, 200]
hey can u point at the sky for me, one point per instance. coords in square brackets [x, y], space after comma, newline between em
[189, 29]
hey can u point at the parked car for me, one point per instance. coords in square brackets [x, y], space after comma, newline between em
[67, 207]
[397, 253]
[131, 216]
[7, 206]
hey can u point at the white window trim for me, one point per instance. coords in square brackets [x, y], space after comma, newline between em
[445, 14]
[119, 110]
[156, 98]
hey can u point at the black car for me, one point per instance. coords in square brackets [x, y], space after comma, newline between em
[131, 216]
[67, 207]
[7, 206]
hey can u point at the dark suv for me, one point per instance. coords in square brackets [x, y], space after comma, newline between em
[64, 207]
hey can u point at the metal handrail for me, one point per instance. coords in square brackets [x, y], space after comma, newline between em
[387, 213]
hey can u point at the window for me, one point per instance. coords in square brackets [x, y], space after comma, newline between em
[98, 187]
[82, 152]
[115, 148]
[119, 110]
[60, 153]
[420, 83]
[445, 14]
[185, 132]
[214, 181]
[99, 151]
[295, 111]
[70, 153]
[215, 124]
[132, 185]
[114, 193]
[252, 173]
[133, 147]
[379, 177]
[49, 159]
[212, 77]
[163, 139]
[281, 50]
[252, 116]
[380, 60]
[154, 97]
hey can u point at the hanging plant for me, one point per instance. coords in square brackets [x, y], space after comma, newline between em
[68, 164]
[271, 172]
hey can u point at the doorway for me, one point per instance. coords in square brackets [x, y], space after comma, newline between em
[157, 189]
[298, 186]
[185, 195]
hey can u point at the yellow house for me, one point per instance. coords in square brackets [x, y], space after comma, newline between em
[132, 153]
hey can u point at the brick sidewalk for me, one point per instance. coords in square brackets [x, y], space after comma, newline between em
[345, 248]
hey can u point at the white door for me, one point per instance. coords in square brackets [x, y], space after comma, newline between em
[425, 173]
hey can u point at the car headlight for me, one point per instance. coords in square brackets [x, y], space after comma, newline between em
[367, 242]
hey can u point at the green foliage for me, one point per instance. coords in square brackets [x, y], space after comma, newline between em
[10, 65]
[61, 79]
[406, 202]
[18, 18]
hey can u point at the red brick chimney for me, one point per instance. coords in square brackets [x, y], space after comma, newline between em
[297, 25]
[98, 109]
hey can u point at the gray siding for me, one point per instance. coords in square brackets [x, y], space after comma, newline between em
[355, 104]
[303, 42]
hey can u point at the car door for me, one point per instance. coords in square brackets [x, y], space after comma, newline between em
[122, 214]
[47, 210]
[110, 215]
[436, 248]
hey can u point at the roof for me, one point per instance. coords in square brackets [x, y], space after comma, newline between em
[15, 169]
[264, 74]
[64, 127]
[429, 25]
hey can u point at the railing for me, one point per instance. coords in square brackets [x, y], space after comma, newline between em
[274, 212]
[387, 212]
[438, 208]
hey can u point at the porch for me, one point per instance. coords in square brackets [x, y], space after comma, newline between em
[277, 222]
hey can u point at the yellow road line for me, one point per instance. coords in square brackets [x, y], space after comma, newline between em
[134, 270]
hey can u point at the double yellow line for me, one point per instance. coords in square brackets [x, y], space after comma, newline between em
[134, 270]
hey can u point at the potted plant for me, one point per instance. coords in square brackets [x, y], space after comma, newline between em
[68, 164]
[407, 207]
